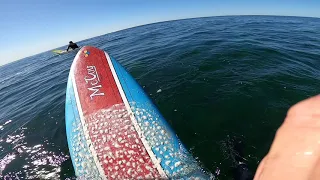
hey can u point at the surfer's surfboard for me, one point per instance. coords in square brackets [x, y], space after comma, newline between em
[114, 130]
[59, 51]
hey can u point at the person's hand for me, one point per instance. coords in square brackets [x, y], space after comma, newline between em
[295, 151]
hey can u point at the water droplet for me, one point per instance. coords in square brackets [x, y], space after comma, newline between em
[128, 163]
[104, 138]
[147, 133]
[83, 164]
[165, 148]
[149, 168]
[167, 163]
[177, 164]
[116, 145]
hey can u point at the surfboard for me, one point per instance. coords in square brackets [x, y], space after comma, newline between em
[58, 51]
[114, 130]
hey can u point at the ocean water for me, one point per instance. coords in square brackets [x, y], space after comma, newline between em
[223, 83]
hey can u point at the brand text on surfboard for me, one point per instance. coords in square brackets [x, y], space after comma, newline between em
[94, 82]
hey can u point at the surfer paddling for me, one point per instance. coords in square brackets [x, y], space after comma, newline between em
[72, 45]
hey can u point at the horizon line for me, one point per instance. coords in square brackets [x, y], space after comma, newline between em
[141, 25]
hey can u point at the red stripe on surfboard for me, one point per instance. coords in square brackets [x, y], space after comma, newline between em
[93, 71]
[120, 151]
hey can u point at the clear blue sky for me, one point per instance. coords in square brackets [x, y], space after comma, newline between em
[29, 27]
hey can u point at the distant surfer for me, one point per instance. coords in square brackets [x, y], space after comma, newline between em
[72, 45]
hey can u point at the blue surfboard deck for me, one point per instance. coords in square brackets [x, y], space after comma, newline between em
[100, 124]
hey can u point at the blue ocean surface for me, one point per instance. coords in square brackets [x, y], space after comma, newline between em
[223, 83]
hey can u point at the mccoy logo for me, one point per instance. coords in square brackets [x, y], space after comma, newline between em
[94, 82]
[86, 53]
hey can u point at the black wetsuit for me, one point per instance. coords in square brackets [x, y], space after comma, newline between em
[72, 46]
